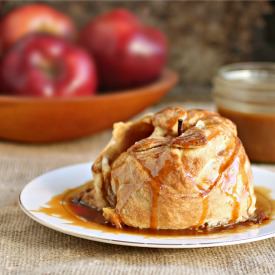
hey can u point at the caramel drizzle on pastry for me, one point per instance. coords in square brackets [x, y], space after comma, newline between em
[155, 188]
[204, 211]
[213, 135]
[245, 179]
[155, 184]
[235, 196]
[224, 166]
[236, 204]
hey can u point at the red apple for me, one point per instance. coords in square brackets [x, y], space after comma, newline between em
[126, 53]
[44, 65]
[34, 18]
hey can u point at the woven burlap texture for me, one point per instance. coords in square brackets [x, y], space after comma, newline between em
[29, 248]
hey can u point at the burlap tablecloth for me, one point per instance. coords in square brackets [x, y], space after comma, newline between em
[29, 248]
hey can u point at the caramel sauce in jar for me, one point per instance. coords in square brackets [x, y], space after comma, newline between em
[245, 93]
[75, 213]
[257, 132]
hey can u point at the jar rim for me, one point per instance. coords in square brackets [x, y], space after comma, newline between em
[246, 86]
[252, 75]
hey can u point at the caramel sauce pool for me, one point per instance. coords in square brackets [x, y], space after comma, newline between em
[77, 214]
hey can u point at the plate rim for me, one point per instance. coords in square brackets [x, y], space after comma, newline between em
[129, 243]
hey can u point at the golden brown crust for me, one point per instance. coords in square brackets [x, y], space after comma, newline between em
[165, 181]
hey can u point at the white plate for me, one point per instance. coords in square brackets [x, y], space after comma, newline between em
[40, 190]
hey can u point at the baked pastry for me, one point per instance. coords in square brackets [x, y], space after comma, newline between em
[176, 169]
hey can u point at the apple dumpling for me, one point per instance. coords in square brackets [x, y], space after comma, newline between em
[176, 169]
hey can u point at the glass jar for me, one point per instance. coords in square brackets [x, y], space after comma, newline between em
[245, 93]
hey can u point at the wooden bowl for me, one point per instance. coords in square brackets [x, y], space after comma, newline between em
[31, 119]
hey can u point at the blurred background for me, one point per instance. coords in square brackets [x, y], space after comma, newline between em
[202, 35]
[113, 51]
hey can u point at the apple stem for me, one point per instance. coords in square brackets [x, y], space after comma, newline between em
[180, 126]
